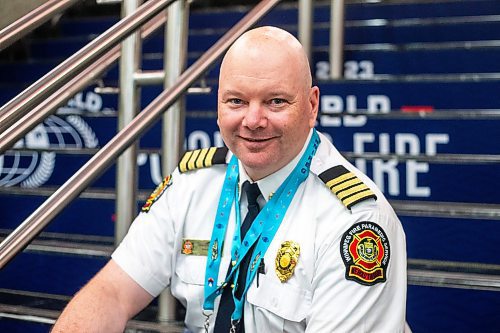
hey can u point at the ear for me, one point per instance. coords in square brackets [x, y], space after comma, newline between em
[313, 105]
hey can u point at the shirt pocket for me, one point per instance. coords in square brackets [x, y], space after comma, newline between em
[279, 302]
[191, 274]
[191, 269]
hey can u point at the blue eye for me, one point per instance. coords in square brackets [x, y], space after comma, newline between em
[235, 101]
[278, 101]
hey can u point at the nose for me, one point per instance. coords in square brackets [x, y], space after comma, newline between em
[255, 117]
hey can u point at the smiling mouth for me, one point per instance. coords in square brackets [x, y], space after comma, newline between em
[257, 139]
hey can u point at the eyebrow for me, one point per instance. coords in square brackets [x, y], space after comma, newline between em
[271, 94]
[281, 93]
[231, 92]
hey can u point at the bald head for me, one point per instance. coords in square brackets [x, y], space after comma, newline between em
[269, 46]
[266, 105]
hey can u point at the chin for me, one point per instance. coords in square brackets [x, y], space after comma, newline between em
[262, 167]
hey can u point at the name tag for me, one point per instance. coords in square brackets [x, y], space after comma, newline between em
[195, 247]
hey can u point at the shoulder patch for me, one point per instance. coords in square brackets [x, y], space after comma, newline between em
[346, 186]
[365, 250]
[160, 189]
[202, 158]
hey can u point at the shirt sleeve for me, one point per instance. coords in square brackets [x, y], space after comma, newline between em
[146, 252]
[354, 290]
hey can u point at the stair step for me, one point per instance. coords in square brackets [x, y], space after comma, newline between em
[355, 33]
[60, 243]
[433, 230]
[286, 13]
[431, 309]
[46, 308]
[383, 59]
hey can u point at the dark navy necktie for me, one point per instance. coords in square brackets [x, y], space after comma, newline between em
[226, 306]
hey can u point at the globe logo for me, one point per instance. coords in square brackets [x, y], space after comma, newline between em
[32, 169]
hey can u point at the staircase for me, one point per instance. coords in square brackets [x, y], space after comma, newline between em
[421, 93]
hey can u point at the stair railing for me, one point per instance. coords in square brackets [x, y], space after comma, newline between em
[30, 227]
[32, 20]
[17, 109]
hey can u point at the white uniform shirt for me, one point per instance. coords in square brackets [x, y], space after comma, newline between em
[316, 298]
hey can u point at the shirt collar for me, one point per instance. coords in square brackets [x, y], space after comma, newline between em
[271, 183]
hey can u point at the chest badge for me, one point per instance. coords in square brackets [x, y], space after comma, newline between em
[286, 260]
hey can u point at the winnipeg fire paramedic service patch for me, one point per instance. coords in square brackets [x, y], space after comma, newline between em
[157, 194]
[365, 250]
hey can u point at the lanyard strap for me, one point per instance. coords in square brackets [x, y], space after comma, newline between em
[262, 230]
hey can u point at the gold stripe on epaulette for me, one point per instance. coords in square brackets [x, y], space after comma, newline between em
[346, 186]
[351, 191]
[192, 160]
[202, 158]
[365, 194]
[339, 179]
[210, 156]
[184, 161]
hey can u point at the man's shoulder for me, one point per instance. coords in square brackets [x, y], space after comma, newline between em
[202, 158]
[348, 184]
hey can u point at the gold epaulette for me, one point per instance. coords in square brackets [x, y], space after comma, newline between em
[202, 158]
[346, 186]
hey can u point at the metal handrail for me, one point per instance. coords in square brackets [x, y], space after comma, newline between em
[36, 17]
[65, 71]
[50, 104]
[34, 224]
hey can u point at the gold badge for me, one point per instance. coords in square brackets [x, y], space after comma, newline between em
[286, 260]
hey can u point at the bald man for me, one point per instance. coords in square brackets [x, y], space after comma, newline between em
[275, 233]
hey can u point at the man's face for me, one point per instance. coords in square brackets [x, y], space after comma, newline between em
[265, 110]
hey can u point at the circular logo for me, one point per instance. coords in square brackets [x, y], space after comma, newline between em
[32, 168]
[365, 251]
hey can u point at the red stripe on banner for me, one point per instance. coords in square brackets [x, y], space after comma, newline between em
[417, 108]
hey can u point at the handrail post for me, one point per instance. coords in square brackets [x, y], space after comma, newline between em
[128, 105]
[306, 26]
[336, 39]
[174, 63]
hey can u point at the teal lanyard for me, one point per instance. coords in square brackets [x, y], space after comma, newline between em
[262, 230]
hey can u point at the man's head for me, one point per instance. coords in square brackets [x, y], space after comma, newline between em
[266, 105]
